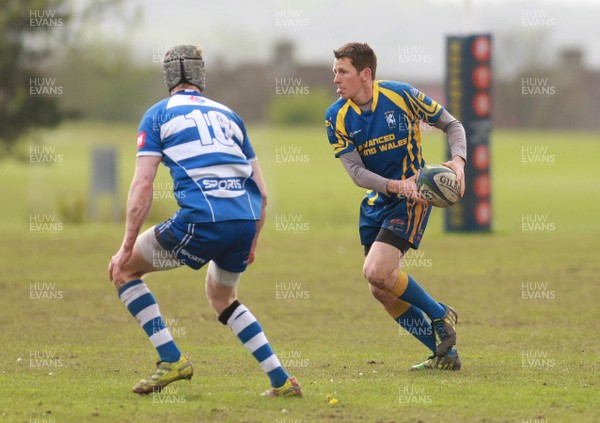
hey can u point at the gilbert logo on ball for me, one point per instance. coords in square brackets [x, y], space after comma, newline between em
[438, 185]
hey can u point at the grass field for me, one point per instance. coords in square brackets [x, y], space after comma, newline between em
[527, 299]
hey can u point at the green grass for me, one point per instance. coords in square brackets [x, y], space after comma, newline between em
[88, 352]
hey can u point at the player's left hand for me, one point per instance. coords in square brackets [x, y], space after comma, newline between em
[457, 164]
[116, 263]
[407, 188]
[252, 254]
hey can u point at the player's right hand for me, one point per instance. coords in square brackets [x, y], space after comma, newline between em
[457, 164]
[116, 263]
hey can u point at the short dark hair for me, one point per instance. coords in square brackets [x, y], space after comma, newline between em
[360, 54]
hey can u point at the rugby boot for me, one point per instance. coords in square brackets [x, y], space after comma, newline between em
[451, 361]
[164, 374]
[290, 388]
[443, 329]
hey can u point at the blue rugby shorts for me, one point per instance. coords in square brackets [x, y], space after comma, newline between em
[406, 219]
[227, 243]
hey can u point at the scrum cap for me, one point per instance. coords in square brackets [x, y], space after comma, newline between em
[183, 63]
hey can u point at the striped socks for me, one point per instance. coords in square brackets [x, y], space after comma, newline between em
[142, 305]
[245, 326]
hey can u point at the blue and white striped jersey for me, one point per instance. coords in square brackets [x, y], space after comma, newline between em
[205, 146]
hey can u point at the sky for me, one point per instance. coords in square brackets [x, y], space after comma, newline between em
[407, 36]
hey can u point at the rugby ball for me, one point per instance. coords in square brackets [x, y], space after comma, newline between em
[438, 185]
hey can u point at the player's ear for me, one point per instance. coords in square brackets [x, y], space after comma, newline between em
[367, 74]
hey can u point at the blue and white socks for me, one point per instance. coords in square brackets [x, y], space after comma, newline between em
[245, 326]
[142, 305]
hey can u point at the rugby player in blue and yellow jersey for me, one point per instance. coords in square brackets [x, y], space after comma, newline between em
[375, 130]
[221, 193]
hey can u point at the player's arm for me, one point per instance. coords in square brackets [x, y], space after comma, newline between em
[364, 178]
[430, 111]
[260, 182]
[457, 140]
[139, 201]
[360, 175]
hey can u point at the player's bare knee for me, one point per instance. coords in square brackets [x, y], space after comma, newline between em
[219, 301]
[384, 297]
[220, 287]
[127, 277]
[217, 297]
[374, 276]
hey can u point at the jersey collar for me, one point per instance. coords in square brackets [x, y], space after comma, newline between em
[355, 106]
[188, 92]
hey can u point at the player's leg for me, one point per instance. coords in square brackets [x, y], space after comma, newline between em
[408, 316]
[412, 319]
[222, 278]
[402, 228]
[381, 274]
[381, 270]
[148, 256]
[221, 293]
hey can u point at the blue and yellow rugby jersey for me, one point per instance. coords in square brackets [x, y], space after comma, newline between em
[387, 137]
[205, 146]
